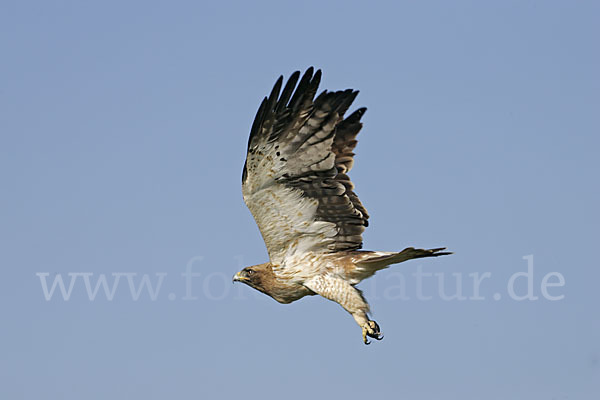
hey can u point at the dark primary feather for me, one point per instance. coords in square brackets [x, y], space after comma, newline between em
[314, 145]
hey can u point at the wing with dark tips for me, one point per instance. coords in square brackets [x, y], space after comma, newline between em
[295, 179]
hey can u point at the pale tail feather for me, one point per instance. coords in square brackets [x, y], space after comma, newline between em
[381, 260]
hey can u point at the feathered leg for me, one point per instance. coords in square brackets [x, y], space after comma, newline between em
[350, 298]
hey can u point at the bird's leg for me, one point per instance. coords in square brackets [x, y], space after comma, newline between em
[349, 297]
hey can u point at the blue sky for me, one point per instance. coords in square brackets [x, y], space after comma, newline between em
[123, 128]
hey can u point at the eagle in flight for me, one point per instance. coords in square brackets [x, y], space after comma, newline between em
[295, 183]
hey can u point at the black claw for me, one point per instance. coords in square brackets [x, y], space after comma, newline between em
[372, 330]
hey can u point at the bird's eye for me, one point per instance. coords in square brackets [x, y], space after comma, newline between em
[250, 271]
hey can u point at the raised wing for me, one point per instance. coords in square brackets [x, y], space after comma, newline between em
[294, 180]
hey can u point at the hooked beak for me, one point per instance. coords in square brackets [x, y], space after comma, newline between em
[239, 277]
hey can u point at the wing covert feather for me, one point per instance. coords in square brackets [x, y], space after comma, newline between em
[295, 179]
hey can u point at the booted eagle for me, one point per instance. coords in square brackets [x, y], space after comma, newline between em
[295, 183]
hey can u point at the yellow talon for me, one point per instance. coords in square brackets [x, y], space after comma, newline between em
[370, 328]
[364, 333]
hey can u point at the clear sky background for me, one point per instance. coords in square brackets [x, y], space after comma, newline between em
[123, 129]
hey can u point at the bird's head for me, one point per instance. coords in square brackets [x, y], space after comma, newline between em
[262, 278]
[257, 276]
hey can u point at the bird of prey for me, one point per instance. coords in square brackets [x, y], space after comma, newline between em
[296, 186]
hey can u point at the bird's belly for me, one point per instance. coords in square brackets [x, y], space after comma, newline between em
[291, 293]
